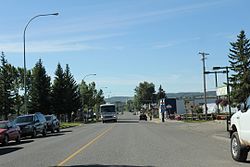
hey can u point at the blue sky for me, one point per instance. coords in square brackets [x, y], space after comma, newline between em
[126, 42]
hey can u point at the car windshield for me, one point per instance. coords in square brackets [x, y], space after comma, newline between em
[108, 109]
[48, 118]
[24, 119]
[3, 126]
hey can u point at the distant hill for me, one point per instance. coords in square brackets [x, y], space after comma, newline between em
[180, 95]
[122, 99]
[191, 94]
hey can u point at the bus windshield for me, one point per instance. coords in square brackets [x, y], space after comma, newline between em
[107, 108]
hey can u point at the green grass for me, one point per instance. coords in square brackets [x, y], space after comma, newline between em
[69, 124]
[196, 121]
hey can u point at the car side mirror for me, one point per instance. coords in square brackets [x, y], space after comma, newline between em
[243, 107]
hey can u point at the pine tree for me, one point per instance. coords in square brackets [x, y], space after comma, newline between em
[240, 64]
[7, 78]
[58, 92]
[161, 93]
[40, 90]
[72, 93]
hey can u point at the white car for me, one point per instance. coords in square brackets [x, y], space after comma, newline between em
[240, 132]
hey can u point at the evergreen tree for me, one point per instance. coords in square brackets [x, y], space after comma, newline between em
[161, 93]
[72, 94]
[7, 77]
[18, 100]
[58, 92]
[40, 90]
[240, 64]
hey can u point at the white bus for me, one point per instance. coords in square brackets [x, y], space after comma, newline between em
[108, 112]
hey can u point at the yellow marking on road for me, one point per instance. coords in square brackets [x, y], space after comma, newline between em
[84, 147]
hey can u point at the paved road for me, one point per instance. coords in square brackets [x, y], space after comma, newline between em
[128, 143]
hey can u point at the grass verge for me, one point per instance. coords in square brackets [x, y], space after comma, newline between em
[69, 124]
[196, 121]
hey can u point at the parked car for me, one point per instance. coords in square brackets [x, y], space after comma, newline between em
[32, 124]
[53, 123]
[143, 116]
[240, 132]
[9, 131]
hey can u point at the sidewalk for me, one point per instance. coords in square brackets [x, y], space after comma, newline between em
[216, 128]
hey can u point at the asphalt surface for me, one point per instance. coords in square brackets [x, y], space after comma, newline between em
[128, 143]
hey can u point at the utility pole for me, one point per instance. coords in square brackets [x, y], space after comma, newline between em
[204, 80]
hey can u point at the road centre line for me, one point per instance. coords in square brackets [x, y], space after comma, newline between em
[84, 147]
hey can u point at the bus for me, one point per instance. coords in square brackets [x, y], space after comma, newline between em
[108, 113]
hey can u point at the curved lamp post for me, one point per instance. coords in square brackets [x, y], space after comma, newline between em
[86, 119]
[87, 76]
[24, 58]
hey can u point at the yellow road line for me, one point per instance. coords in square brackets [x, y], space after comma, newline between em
[84, 147]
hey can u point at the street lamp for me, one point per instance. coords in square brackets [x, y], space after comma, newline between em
[24, 58]
[83, 97]
[87, 76]
[228, 90]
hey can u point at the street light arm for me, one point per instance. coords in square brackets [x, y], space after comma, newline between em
[40, 15]
[87, 76]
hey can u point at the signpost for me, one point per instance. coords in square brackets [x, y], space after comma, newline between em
[163, 109]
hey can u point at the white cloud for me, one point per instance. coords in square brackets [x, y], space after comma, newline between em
[175, 42]
[105, 21]
[71, 44]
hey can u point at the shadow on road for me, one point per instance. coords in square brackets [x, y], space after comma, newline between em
[127, 121]
[98, 165]
[49, 134]
[9, 150]
[23, 141]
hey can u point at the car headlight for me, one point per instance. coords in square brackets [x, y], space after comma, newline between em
[114, 116]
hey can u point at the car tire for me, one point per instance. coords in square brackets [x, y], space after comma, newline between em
[44, 132]
[58, 130]
[238, 152]
[5, 140]
[53, 129]
[34, 133]
[18, 138]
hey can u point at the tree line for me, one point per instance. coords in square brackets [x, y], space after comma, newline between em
[63, 96]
